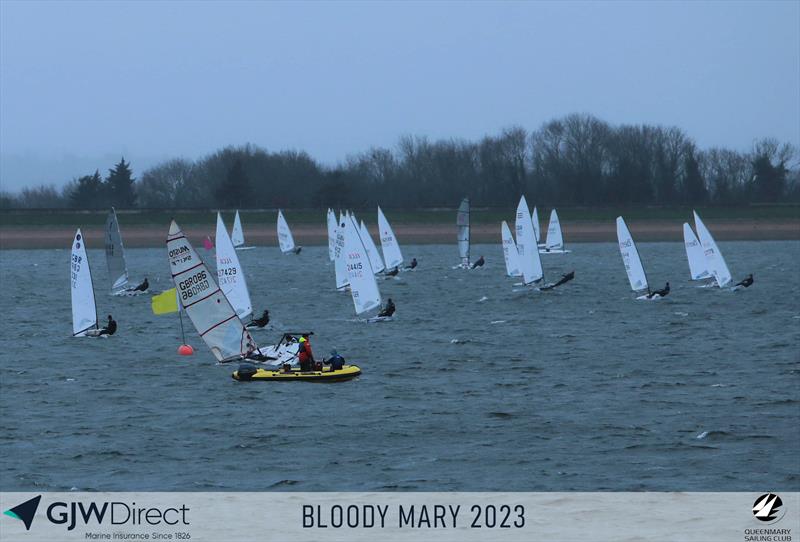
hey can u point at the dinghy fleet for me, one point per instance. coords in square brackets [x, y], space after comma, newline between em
[218, 303]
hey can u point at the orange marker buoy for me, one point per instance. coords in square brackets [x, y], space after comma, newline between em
[185, 350]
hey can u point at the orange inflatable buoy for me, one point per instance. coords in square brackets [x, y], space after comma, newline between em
[185, 350]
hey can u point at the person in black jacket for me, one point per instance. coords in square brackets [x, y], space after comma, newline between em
[388, 310]
[110, 328]
[663, 292]
[335, 361]
[747, 282]
[260, 322]
[478, 263]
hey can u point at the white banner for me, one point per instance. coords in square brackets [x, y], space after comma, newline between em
[321, 517]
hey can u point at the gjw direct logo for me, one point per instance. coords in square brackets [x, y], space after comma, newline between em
[768, 508]
[115, 513]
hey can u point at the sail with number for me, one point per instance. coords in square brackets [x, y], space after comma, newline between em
[339, 265]
[555, 239]
[285, 238]
[529, 260]
[204, 302]
[630, 257]
[694, 254]
[462, 224]
[372, 251]
[237, 233]
[536, 225]
[714, 260]
[331, 234]
[510, 251]
[360, 275]
[115, 254]
[84, 309]
[392, 256]
[229, 273]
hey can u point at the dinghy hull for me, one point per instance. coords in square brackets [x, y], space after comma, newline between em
[248, 373]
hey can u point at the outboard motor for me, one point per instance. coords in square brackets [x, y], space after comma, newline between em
[246, 371]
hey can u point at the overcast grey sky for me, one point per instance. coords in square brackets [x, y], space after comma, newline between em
[83, 83]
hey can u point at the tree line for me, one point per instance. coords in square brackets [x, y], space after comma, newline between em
[575, 160]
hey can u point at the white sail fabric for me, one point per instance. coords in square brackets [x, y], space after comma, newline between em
[115, 254]
[331, 235]
[204, 302]
[694, 254]
[339, 264]
[229, 273]
[715, 262]
[285, 239]
[237, 234]
[372, 251]
[555, 239]
[510, 251]
[392, 256]
[462, 223]
[529, 260]
[363, 286]
[84, 309]
[536, 226]
[630, 257]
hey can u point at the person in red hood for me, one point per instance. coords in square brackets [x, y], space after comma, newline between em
[305, 355]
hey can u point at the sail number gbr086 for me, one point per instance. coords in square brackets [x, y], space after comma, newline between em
[194, 285]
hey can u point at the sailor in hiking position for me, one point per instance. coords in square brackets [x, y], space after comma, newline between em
[564, 279]
[413, 264]
[661, 293]
[260, 322]
[478, 263]
[747, 282]
[143, 287]
[388, 310]
[110, 328]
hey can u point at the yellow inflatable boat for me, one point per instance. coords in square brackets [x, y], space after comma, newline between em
[250, 372]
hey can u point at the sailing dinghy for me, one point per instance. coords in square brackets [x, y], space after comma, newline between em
[331, 234]
[529, 261]
[633, 263]
[339, 264]
[229, 273]
[285, 238]
[715, 263]
[372, 251]
[555, 238]
[84, 308]
[360, 275]
[462, 225]
[392, 256]
[694, 254]
[237, 234]
[536, 227]
[115, 259]
[510, 253]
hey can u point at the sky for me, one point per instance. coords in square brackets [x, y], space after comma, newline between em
[84, 83]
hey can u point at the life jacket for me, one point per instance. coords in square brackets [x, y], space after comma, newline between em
[305, 353]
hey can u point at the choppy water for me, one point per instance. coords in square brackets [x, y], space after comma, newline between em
[472, 387]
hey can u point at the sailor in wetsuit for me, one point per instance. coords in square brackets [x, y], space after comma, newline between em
[393, 272]
[260, 322]
[388, 310]
[662, 293]
[335, 361]
[413, 264]
[478, 263]
[142, 287]
[564, 278]
[110, 328]
[747, 282]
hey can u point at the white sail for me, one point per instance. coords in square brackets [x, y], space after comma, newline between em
[462, 223]
[391, 249]
[715, 262]
[372, 251]
[84, 309]
[529, 260]
[695, 255]
[363, 286]
[331, 235]
[237, 234]
[536, 225]
[339, 265]
[285, 238]
[229, 273]
[206, 305]
[115, 254]
[630, 257]
[510, 251]
[555, 239]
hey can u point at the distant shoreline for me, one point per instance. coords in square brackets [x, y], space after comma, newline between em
[260, 234]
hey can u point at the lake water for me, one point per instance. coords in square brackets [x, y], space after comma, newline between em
[472, 387]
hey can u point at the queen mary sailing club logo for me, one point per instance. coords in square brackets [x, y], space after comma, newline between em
[25, 511]
[768, 508]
